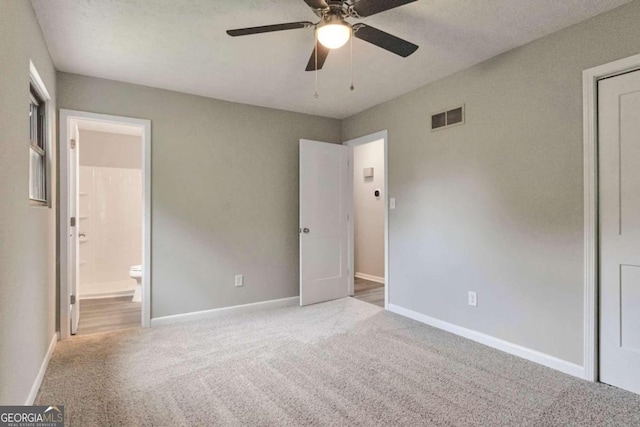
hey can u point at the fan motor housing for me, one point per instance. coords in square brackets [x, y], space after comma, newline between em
[333, 18]
[337, 7]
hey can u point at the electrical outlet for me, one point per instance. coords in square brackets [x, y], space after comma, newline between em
[239, 280]
[473, 299]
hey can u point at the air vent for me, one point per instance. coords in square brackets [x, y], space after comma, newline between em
[445, 119]
[438, 120]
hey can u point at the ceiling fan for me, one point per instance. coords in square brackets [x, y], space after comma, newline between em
[333, 31]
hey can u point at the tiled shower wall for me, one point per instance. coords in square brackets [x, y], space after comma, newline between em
[110, 217]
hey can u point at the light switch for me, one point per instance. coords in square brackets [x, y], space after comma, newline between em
[392, 203]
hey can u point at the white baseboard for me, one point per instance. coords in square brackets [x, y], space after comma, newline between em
[236, 309]
[43, 369]
[369, 277]
[127, 293]
[515, 349]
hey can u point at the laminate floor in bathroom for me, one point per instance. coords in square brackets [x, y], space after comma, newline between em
[108, 314]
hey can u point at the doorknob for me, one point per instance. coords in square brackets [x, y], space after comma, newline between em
[305, 230]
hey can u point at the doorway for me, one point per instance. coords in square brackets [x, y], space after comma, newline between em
[368, 226]
[327, 231]
[105, 218]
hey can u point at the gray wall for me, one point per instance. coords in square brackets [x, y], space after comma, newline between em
[368, 211]
[495, 206]
[109, 150]
[225, 191]
[27, 233]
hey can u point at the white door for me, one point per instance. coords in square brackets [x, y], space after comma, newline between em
[619, 180]
[325, 199]
[74, 262]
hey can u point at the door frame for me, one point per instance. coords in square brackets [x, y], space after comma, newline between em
[67, 118]
[590, 78]
[352, 143]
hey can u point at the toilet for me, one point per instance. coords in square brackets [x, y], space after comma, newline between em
[136, 273]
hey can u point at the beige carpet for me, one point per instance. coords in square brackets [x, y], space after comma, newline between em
[340, 363]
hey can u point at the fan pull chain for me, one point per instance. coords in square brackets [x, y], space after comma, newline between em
[352, 86]
[315, 51]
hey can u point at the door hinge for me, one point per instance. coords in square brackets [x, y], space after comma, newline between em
[72, 222]
[72, 143]
[73, 299]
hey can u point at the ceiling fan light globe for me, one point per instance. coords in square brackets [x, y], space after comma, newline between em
[334, 36]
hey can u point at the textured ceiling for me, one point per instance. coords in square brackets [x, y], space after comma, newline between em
[182, 46]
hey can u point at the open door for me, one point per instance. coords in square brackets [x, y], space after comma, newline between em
[74, 264]
[325, 200]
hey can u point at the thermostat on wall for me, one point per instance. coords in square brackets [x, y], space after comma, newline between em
[367, 172]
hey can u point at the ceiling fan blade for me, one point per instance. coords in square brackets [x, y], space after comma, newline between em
[323, 52]
[317, 4]
[371, 7]
[385, 40]
[269, 28]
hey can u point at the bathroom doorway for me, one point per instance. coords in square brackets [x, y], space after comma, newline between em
[368, 225]
[105, 194]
